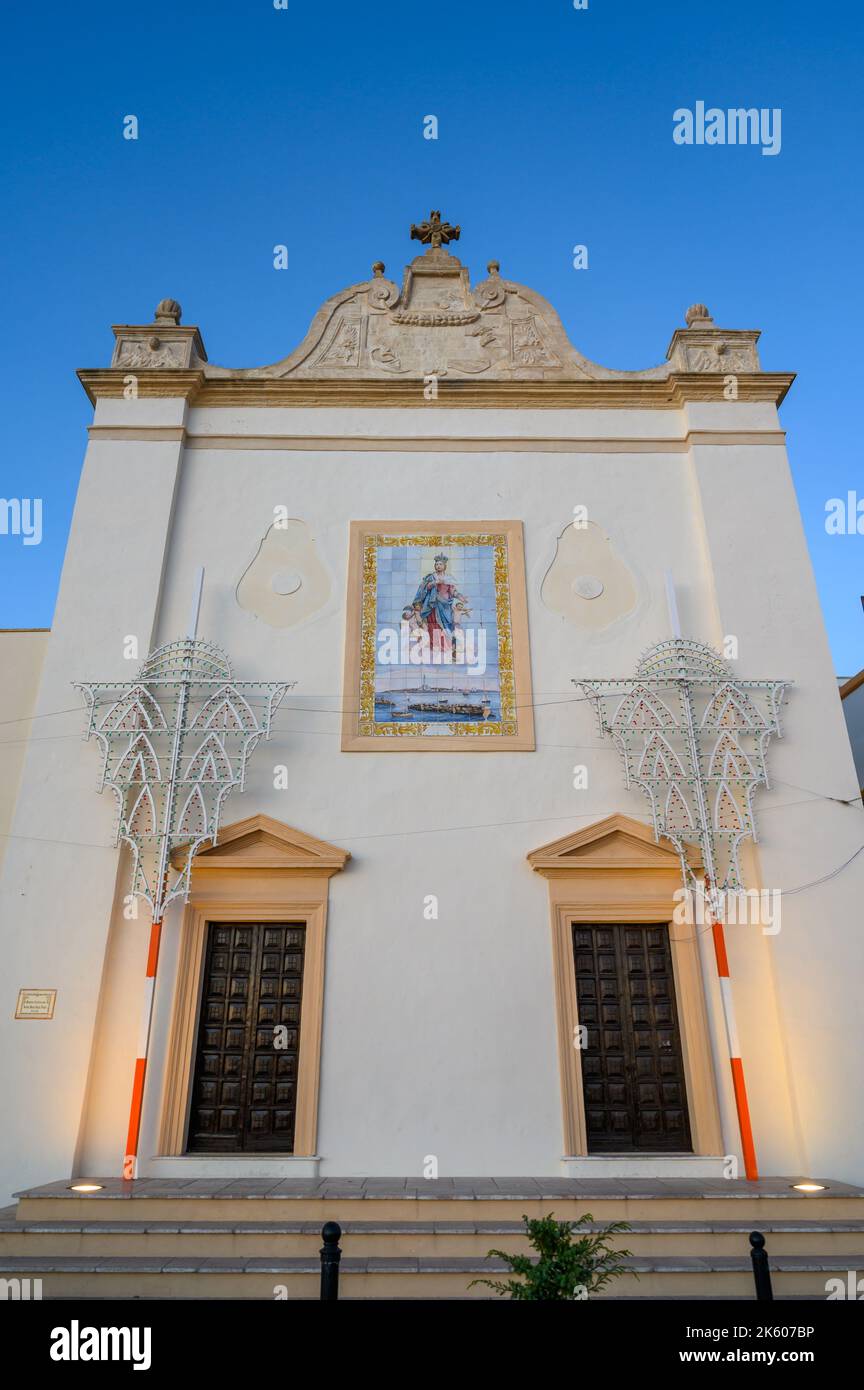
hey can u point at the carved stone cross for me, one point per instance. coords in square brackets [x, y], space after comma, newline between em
[434, 232]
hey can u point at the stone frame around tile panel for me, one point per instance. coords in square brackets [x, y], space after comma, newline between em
[517, 733]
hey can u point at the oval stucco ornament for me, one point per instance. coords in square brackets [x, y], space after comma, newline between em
[286, 582]
[587, 582]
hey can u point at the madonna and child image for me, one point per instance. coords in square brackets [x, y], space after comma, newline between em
[437, 626]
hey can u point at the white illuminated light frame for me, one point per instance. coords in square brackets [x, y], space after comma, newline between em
[175, 743]
[693, 738]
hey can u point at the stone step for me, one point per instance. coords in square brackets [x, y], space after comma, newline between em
[387, 1200]
[672, 1276]
[406, 1238]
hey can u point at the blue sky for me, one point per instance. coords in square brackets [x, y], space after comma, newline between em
[304, 126]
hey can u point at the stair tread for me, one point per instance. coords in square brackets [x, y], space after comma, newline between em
[351, 1228]
[143, 1264]
[439, 1189]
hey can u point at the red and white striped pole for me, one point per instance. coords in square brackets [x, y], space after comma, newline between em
[130, 1160]
[744, 1127]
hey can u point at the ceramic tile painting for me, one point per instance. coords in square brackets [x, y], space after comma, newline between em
[437, 641]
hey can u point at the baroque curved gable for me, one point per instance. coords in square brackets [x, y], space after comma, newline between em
[380, 340]
[438, 325]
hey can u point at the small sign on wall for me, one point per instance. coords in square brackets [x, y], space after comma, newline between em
[35, 1003]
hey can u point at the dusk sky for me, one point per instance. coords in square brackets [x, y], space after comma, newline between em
[304, 126]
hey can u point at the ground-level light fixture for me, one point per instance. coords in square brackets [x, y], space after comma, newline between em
[809, 1187]
[86, 1186]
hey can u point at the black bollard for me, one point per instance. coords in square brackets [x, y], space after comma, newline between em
[761, 1272]
[331, 1234]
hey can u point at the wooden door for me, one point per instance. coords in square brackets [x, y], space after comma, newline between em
[244, 1090]
[632, 1067]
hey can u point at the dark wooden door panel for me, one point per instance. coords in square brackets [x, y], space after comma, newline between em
[632, 1067]
[244, 1091]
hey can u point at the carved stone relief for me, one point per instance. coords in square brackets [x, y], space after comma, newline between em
[719, 357]
[528, 348]
[150, 352]
[701, 347]
[343, 347]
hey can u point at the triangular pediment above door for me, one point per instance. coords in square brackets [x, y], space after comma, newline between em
[260, 842]
[615, 842]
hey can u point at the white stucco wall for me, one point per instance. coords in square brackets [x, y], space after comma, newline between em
[439, 1037]
[59, 874]
[22, 651]
[767, 597]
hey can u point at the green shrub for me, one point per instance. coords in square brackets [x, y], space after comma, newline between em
[565, 1267]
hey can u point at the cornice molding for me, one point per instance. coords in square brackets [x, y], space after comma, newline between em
[437, 443]
[102, 383]
[667, 393]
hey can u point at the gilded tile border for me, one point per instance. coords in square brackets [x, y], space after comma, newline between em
[515, 728]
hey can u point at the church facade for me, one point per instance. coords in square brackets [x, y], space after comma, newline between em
[437, 932]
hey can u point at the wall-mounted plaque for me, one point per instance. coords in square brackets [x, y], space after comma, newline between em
[35, 1003]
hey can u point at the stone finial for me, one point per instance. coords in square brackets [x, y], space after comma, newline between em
[168, 311]
[378, 268]
[697, 316]
[493, 267]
